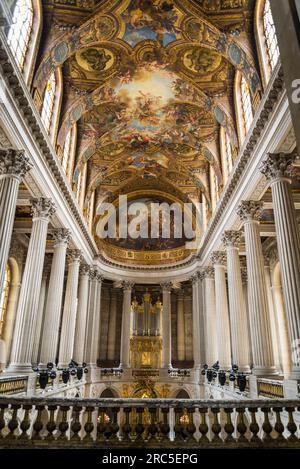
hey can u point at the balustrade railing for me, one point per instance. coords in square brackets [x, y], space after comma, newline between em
[165, 423]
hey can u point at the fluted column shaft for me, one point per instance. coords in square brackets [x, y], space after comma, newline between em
[92, 344]
[13, 166]
[50, 332]
[196, 321]
[210, 319]
[111, 346]
[222, 313]
[237, 306]
[277, 168]
[126, 322]
[39, 323]
[273, 316]
[180, 327]
[70, 309]
[166, 326]
[25, 325]
[81, 319]
[261, 338]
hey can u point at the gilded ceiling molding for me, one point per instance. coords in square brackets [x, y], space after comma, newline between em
[106, 24]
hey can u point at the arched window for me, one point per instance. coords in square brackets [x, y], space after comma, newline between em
[67, 151]
[226, 154]
[266, 40]
[270, 36]
[81, 184]
[229, 156]
[4, 298]
[91, 210]
[20, 30]
[214, 187]
[246, 104]
[48, 103]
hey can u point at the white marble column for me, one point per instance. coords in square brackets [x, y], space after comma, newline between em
[245, 293]
[196, 321]
[112, 325]
[67, 334]
[277, 170]
[273, 316]
[126, 322]
[283, 333]
[92, 337]
[40, 316]
[166, 326]
[14, 164]
[50, 331]
[218, 259]
[180, 327]
[250, 212]
[238, 314]
[26, 319]
[81, 319]
[210, 316]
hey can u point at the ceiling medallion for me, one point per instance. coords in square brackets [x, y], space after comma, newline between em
[95, 59]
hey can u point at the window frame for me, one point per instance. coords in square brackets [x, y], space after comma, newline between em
[21, 31]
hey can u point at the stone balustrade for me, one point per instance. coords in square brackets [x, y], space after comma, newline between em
[167, 423]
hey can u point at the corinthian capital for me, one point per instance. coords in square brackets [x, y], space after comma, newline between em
[166, 286]
[277, 165]
[62, 236]
[209, 272]
[250, 210]
[218, 258]
[42, 207]
[231, 238]
[127, 285]
[14, 162]
[84, 269]
[74, 255]
[195, 278]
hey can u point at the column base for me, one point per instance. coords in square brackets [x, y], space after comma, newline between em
[290, 389]
[295, 373]
[264, 371]
[17, 368]
[244, 368]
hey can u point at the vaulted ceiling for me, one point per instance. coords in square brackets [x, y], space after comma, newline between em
[149, 84]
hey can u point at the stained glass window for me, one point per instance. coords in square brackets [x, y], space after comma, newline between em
[246, 104]
[270, 36]
[48, 103]
[20, 30]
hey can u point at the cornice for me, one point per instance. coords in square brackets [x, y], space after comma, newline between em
[24, 101]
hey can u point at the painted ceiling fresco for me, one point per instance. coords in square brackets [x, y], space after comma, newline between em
[149, 85]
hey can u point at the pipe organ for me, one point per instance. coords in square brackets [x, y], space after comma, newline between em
[146, 341]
